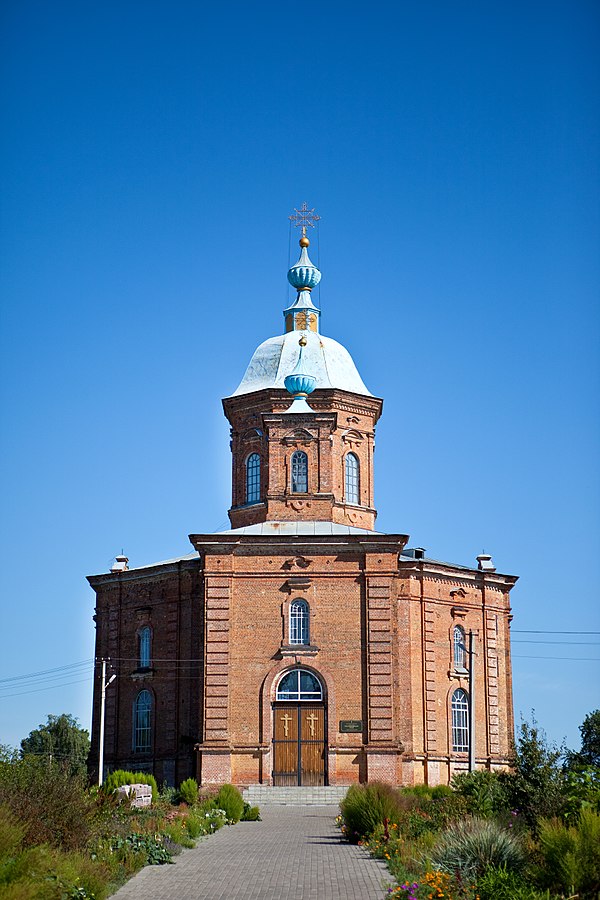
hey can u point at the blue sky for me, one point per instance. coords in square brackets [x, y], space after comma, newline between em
[150, 157]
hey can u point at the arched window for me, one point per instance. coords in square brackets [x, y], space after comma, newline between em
[299, 619]
[253, 478]
[352, 478]
[460, 721]
[144, 647]
[459, 647]
[300, 685]
[142, 722]
[299, 472]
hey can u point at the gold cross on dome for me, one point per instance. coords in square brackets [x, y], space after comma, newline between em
[304, 217]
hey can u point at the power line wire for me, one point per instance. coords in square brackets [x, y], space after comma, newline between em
[52, 687]
[577, 658]
[84, 662]
[545, 631]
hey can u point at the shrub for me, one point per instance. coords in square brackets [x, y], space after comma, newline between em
[231, 801]
[54, 806]
[483, 791]
[569, 856]
[188, 791]
[471, 846]
[156, 850]
[441, 792]
[366, 806]
[168, 794]
[536, 786]
[502, 884]
[250, 813]
[120, 777]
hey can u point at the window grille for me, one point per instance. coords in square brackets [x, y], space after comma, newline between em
[299, 472]
[142, 722]
[460, 722]
[352, 479]
[253, 478]
[300, 685]
[460, 650]
[299, 617]
[144, 639]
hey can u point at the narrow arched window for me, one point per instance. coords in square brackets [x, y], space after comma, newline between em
[144, 647]
[460, 721]
[459, 647]
[352, 478]
[253, 478]
[299, 472]
[299, 622]
[142, 722]
[300, 685]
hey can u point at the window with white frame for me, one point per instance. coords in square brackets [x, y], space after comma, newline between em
[459, 648]
[253, 478]
[299, 622]
[352, 478]
[144, 647]
[300, 685]
[460, 721]
[142, 722]
[299, 472]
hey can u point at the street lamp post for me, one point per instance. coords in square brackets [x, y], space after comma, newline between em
[104, 685]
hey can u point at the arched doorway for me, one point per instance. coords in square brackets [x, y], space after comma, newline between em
[299, 730]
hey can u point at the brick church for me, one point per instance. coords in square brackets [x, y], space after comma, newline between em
[302, 646]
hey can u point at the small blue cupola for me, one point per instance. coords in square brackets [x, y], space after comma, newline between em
[300, 384]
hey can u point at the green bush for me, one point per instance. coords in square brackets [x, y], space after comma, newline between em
[231, 802]
[188, 791]
[569, 855]
[441, 792]
[366, 806]
[153, 846]
[536, 786]
[502, 884]
[55, 807]
[250, 813]
[471, 846]
[120, 777]
[483, 791]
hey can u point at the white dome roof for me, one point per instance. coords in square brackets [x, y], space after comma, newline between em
[323, 358]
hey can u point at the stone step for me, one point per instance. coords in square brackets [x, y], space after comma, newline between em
[263, 795]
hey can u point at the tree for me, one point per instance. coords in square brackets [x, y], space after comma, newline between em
[60, 741]
[589, 755]
[536, 785]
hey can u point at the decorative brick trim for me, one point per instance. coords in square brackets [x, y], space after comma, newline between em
[379, 659]
[216, 659]
[429, 670]
[491, 663]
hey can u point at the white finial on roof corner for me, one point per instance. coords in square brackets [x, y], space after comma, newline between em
[120, 564]
[485, 563]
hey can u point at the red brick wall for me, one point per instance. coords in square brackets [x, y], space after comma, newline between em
[384, 636]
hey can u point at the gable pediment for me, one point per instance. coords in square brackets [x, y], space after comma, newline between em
[298, 437]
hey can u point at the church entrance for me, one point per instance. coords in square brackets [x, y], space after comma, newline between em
[299, 731]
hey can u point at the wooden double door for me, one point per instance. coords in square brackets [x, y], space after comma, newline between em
[299, 744]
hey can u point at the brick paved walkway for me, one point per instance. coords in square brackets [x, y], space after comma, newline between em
[295, 853]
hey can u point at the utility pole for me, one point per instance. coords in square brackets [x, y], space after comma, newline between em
[104, 685]
[471, 700]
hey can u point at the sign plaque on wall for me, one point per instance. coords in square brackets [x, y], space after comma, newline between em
[350, 726]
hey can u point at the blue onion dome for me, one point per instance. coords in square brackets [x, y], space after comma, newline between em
[298, 382]
[303, 275]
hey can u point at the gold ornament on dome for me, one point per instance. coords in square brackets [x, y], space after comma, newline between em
[304, 218]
